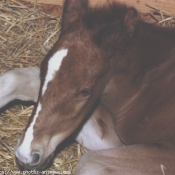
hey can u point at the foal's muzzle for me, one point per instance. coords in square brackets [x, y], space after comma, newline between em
[36, 164]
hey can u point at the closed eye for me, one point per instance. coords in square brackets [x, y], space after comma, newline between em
[84, 92]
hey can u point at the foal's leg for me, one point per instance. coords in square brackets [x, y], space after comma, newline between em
[22, 84]
[129, 160]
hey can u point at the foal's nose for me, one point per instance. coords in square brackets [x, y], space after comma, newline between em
[36, 158]
[31, 160]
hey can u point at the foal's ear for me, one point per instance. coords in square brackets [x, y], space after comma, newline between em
[130, 20]
[72, 12]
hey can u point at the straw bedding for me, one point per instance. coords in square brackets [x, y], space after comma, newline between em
[27, 33]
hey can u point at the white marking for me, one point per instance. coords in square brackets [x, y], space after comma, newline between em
[23, 151]
[53, 66]
[163, 168]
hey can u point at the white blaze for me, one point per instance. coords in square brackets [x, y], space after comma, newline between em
[53, 66]
[23, 151]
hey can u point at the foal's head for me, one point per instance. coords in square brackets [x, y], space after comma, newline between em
[73, 76]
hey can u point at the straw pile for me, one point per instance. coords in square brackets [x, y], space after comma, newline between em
[27, 34]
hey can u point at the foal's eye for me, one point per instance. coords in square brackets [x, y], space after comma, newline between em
[86, 92]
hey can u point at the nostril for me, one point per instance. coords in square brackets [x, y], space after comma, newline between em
[35, 158]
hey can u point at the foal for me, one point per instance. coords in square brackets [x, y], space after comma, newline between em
[110, 81]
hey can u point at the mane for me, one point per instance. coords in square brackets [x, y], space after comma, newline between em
[111, 32]
[104, 14]
[109, 26]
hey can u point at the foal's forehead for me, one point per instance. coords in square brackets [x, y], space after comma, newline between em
[54, 64]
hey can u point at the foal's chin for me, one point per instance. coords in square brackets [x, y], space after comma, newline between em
[41, 166]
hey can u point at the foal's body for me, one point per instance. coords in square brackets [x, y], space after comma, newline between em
[128, 117]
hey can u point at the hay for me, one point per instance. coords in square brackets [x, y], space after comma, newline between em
[159, 17]
[27, 34]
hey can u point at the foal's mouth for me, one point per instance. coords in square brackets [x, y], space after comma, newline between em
[40, 167]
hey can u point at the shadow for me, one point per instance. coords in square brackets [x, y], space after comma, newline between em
[14, 103]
